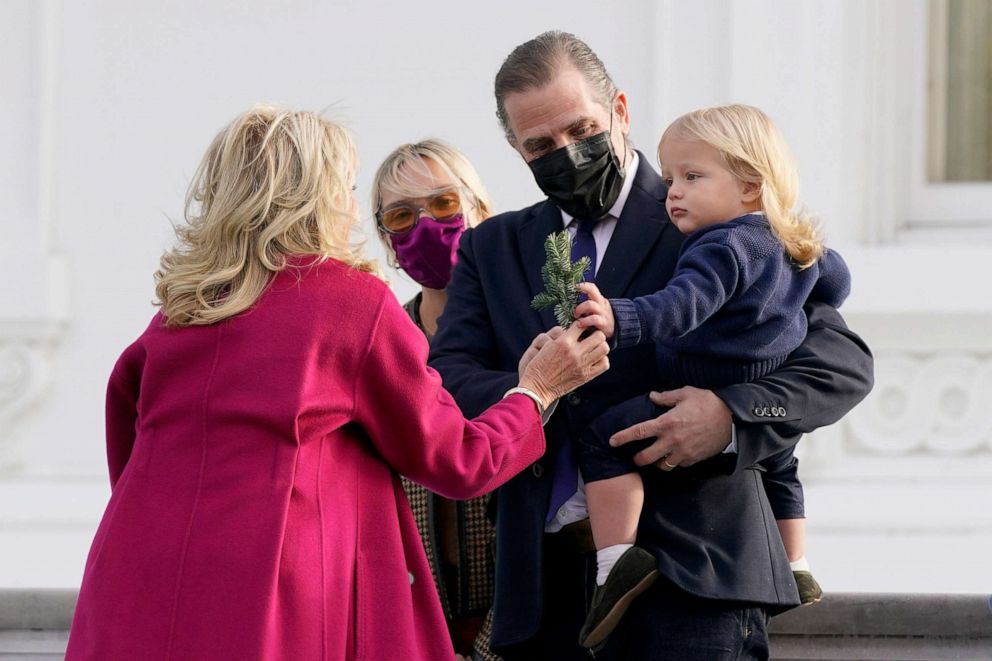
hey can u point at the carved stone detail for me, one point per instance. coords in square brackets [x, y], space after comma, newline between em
[25, 368]
[937, 404]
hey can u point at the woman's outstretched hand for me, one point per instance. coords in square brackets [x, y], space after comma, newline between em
[535, 346]
[559, 361]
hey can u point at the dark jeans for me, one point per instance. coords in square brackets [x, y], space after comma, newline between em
[663, 623]
[668, 623]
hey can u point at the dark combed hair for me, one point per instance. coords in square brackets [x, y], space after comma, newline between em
[535, 63]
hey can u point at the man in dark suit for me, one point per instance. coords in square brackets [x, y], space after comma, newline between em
[706, 517]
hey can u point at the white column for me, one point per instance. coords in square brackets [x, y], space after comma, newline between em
[33, 298]
[33, 291]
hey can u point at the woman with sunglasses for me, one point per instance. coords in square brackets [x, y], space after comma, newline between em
[424, 196]
[256, 428]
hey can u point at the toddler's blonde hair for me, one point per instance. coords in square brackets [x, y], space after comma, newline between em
[755, 152]
[274, 183]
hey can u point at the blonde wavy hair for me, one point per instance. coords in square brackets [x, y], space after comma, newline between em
[274, 183]
[396, 175]
[755, 152]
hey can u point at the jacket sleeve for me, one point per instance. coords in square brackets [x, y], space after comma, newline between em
[122, 410]
[465, 349]
[418, 428]
[823, 379]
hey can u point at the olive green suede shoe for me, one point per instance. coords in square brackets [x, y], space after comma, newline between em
[809, 590]
[634, 572]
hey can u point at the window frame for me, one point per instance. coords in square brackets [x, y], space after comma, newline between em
[966, 205]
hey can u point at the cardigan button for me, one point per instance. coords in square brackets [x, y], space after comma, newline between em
[573, 398]
[537, 470]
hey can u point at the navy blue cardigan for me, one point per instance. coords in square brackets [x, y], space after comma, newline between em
[733, 309]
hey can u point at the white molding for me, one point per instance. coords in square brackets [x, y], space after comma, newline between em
[904, 506]
[924, 279]
[932, 404]
[888, 45]
[899, 197]
[927, 424]
[34, 303]
[48, 54]
[950, 204]
[28, 504]
[24, 372]
[953, 204]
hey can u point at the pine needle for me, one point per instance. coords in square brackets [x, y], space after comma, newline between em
[560, 275]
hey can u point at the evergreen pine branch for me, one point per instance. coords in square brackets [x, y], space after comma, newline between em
[560, 276]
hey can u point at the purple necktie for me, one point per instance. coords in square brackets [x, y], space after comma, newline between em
[565, 480]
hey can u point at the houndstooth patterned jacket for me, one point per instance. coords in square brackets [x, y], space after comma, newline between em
[471, 591]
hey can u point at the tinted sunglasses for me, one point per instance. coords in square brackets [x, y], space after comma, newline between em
[403, 217]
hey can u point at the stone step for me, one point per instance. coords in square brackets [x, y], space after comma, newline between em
[34, 625]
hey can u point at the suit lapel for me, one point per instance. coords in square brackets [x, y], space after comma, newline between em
[641, 224]
[543, 221]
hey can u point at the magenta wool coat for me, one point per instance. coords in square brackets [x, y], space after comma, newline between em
[256, 511]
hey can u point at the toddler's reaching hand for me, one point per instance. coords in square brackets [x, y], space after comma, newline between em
[596, 311]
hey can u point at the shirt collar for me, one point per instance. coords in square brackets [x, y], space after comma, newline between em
[628, 183]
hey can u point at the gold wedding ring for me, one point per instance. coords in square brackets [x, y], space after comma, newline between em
[664, 460]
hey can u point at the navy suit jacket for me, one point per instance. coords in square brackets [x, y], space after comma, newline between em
[709, 525]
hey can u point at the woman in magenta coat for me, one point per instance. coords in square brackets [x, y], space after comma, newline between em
[256, 429]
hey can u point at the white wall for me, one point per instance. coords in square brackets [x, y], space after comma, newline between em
[108, 106]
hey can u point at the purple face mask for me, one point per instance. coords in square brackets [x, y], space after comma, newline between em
[428, 252]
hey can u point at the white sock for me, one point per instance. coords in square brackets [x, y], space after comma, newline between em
[606, 558]
[800, 565]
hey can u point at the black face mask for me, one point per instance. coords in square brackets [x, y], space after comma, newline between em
[584, 179]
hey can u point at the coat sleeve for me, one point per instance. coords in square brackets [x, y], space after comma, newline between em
[465, 350]
[823, 379]
[418, 428]
[122, 410]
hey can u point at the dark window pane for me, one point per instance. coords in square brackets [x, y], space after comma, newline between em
[961, 93]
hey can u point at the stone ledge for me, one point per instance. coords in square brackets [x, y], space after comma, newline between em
[842, 626]
[16, 644]
[886, 626]
[43, 609]
[890, 614]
